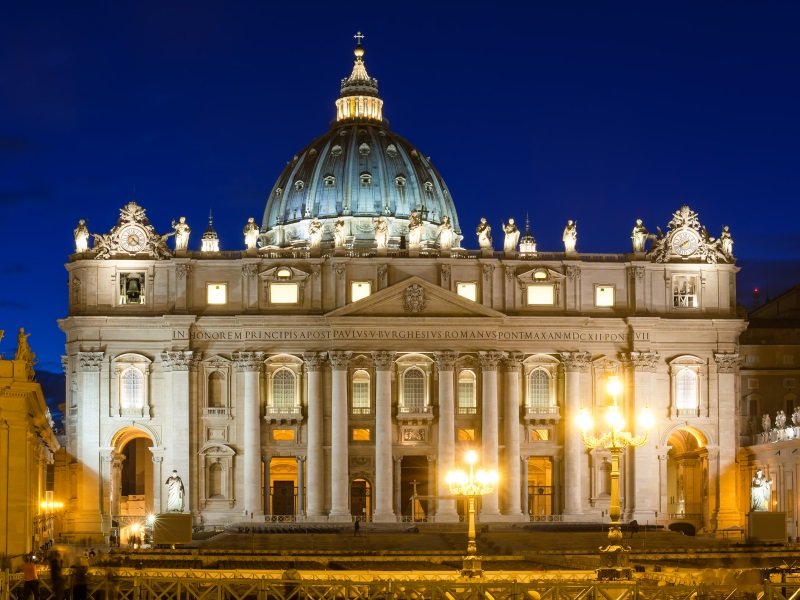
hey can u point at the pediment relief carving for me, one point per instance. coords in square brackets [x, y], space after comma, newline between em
[214, 448]
[283, 273]
[541, 275]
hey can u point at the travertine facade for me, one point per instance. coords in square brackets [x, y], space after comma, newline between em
[340, 368]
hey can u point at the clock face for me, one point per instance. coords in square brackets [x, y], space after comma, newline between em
[685, 242]
[132, 238]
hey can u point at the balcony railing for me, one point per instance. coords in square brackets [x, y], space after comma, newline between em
[416, 410]
[467, 410]
[361, 410]
[216, 411]
[277, 411]
[542, 411]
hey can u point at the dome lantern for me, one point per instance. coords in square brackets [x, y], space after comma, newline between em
[358, 98]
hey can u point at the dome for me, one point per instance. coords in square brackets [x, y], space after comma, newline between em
[358, 171]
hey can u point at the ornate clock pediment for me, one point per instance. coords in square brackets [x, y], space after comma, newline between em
[688, 240]
[133, 235]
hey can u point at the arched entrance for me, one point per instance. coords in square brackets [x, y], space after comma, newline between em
[361, 499]
[687, 477]
[133, 484]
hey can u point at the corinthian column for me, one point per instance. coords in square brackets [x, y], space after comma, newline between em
[340, 472]
[249, 365]
[383, 437]
[513, 366]
[641, 498]
[727, 373]
[574, 364]
[446, 508]
[315, 486]
[87, 521]
[177, 365]
[489, 418]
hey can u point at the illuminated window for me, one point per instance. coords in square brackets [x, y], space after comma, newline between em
[131, 288]
[217, 293]
[684, 291]
[361, 435]
[604, 295]
[283, 293]
[131, 389]
[283, 391]
[541, 294]
[359, 290]
[468, 290]
[360, 402]
[686, 390]
[539, 390]
[283, 435]
[283, 273]
[467, 404]
[465, 435]
[413, 391]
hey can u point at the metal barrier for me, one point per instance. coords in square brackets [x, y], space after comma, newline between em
[123, 584]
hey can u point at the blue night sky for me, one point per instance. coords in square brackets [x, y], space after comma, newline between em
[597, 111]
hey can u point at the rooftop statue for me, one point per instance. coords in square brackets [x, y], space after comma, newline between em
[81, 237]
[23, 348]
[414, 230]
[512, 237]
[445, 234]
[639, 236]
[339, 233]
[381, 232]
[182, 231]
[570, 236]
[250, 232]
[760, 492]
[484, 231]
[315, 233]
[726, 242]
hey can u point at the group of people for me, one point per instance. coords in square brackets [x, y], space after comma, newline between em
[77, 583]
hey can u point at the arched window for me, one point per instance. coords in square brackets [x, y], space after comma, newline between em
[361, 404]
[686, 390]
[539, 394]
[283, 391]
[132, 389]
[467, 402]
[216, 390]
[413, 391]
[215, 480]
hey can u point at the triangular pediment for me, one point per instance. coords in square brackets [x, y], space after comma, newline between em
[415, 297]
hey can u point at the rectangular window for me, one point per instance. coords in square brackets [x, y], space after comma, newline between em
[604, 295]
[359, 290]
[541, 294]
[131, 288]
[361, 398]
[217, 293]
[283, 435]
[468, 290]
[361, 435]
[283, 293]
[684, 291]
[465, 435]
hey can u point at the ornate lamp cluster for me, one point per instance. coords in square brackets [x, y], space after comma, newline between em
[471, 485]
[615, 440]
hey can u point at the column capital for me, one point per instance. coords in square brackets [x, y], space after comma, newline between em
[301, 458]
[179, 360]
[339, 360]
[727, 362]
[513, 361]
[489, 360]
[315, 360]
[642, 361]
[576, 361]
[90, 362]
[248, 361]
[383, 360]
[445, 360]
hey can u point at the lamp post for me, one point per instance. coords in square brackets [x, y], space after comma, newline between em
[471, 485]
[615, 440]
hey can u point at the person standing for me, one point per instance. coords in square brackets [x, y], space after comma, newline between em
[31, 577]
[56, 575]
[356, 525]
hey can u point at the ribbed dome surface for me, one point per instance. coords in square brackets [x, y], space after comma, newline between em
[358, 170]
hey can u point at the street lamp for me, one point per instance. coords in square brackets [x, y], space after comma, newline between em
[615, 440]
[471, 485]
